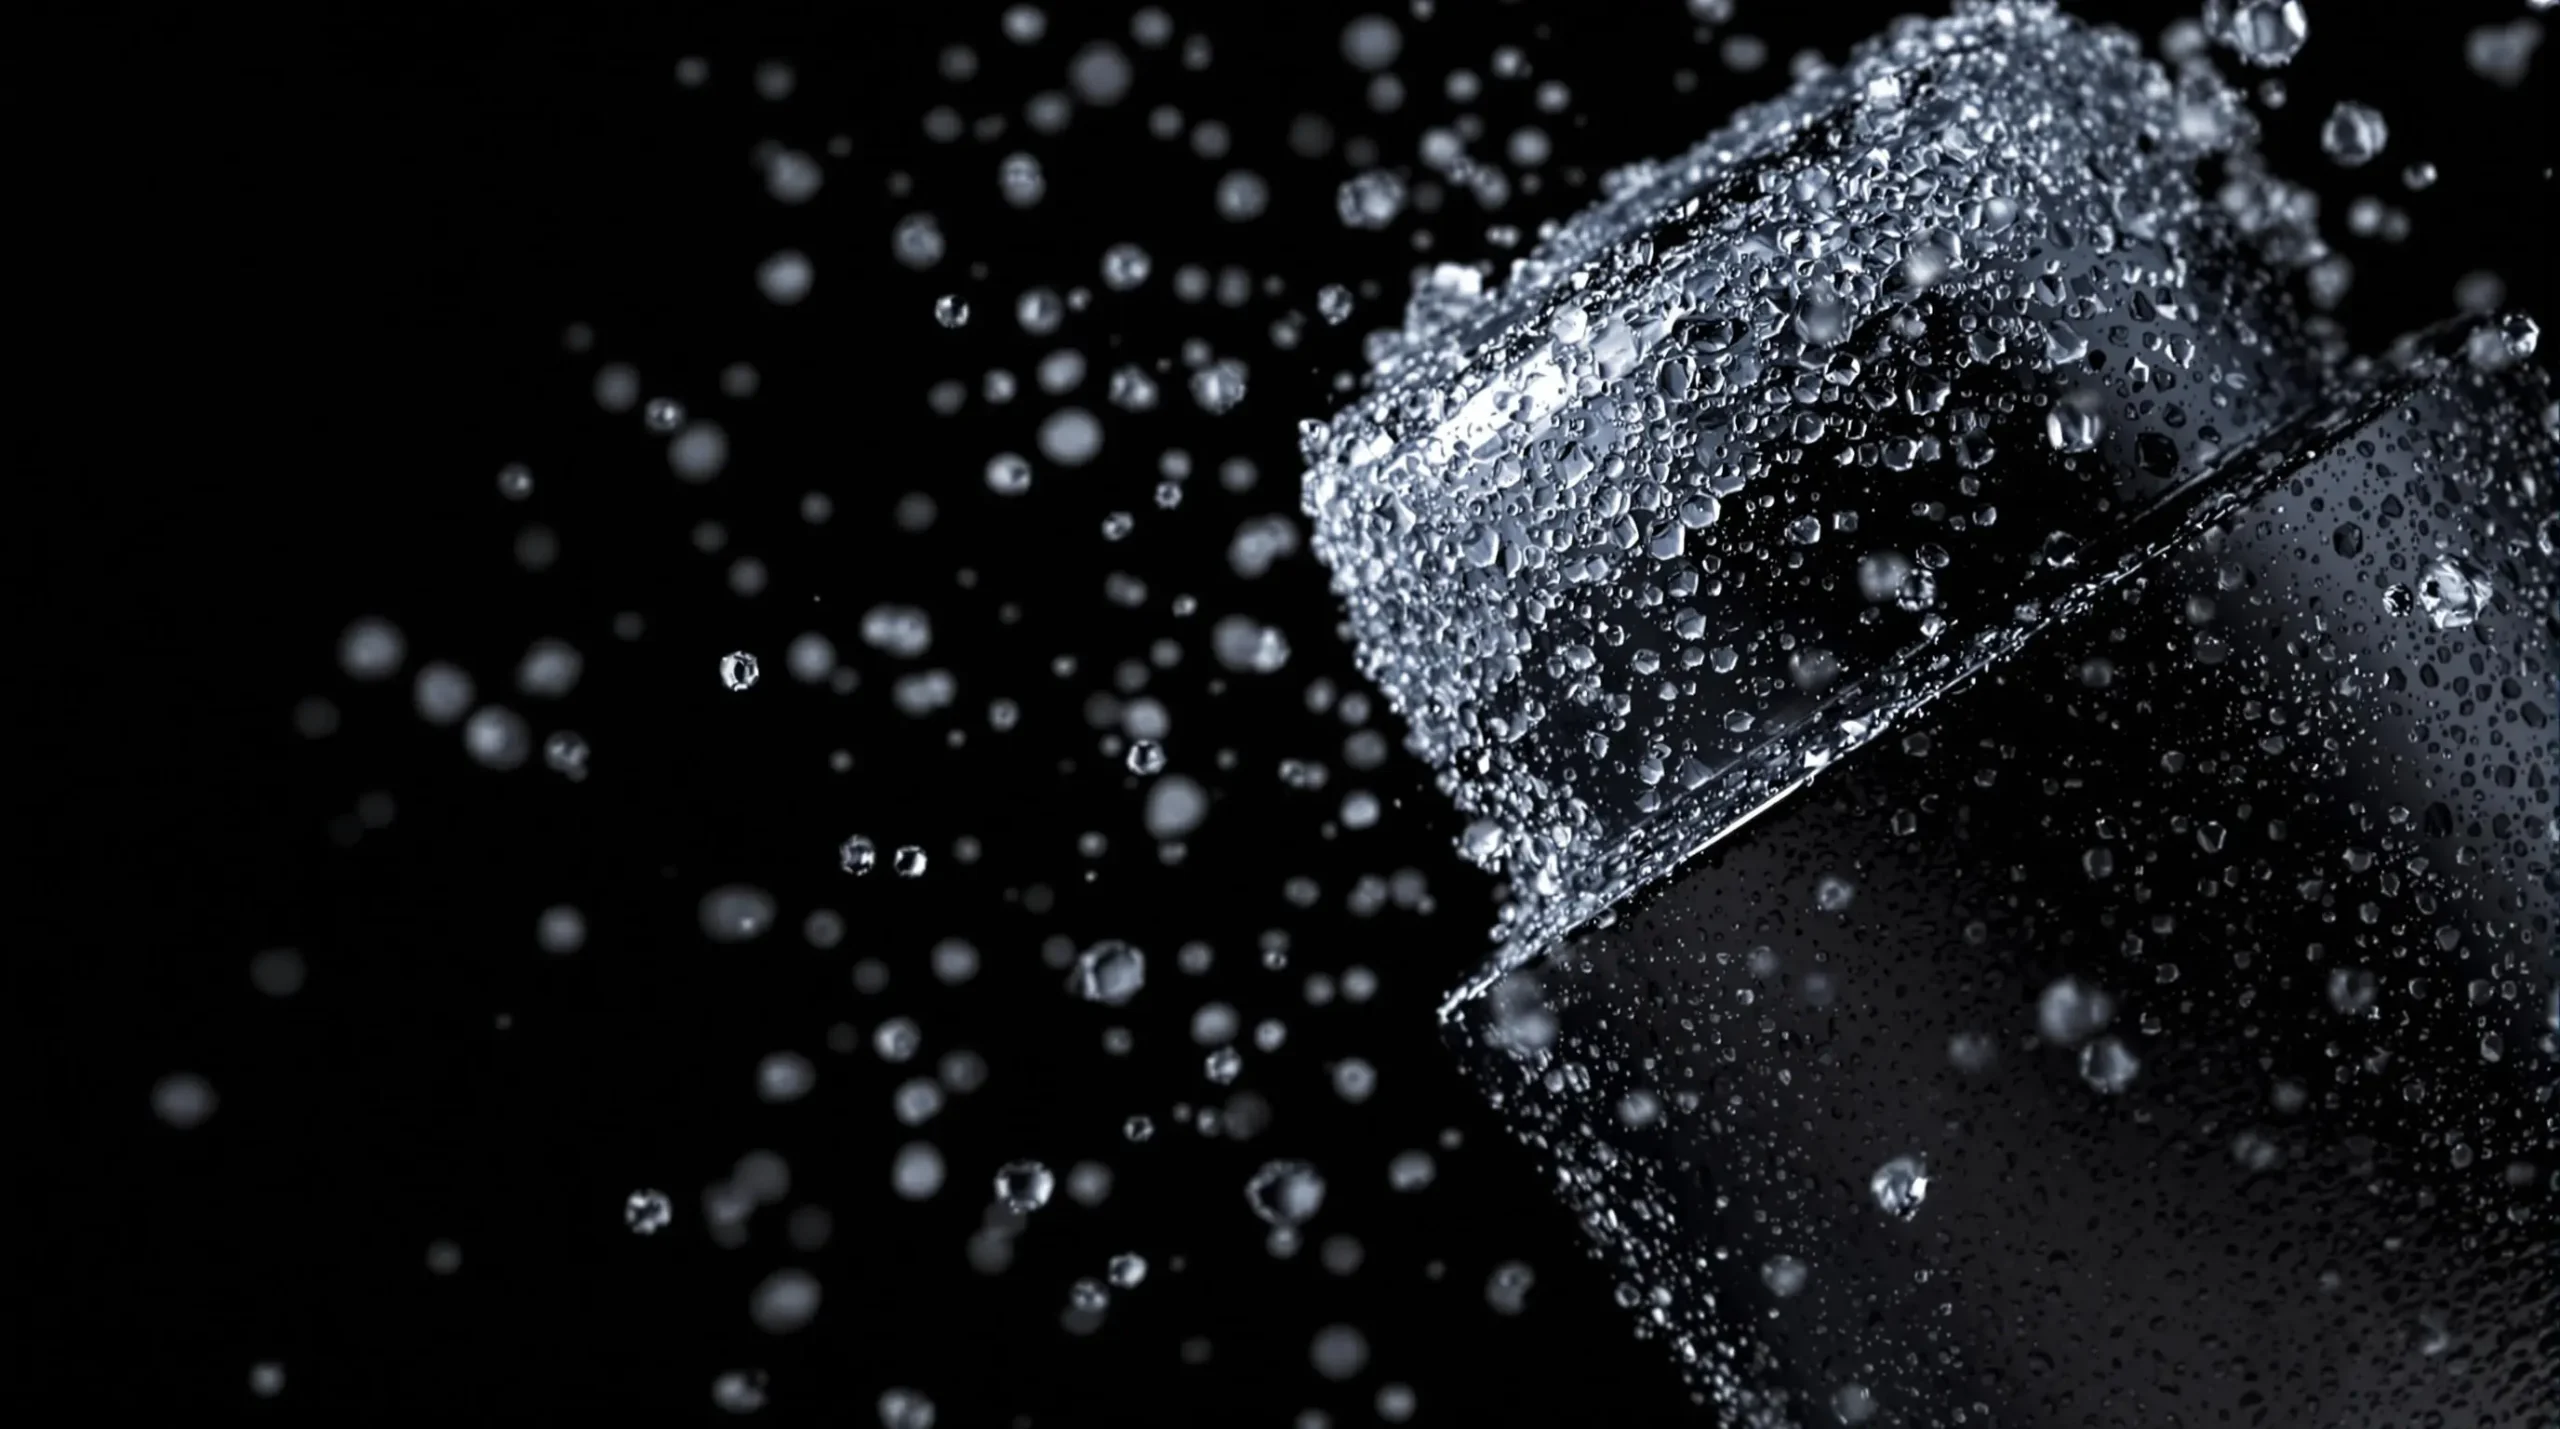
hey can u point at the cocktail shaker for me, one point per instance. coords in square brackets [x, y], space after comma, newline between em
[2025, 775]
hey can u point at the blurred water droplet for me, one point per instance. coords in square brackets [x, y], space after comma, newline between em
[1024, 1186]
[1899, 1186]
[1286, 1192]
[647, 1212]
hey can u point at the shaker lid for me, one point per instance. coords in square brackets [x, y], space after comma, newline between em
[1771, 445]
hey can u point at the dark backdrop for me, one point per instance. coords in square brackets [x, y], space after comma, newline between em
[304, 283]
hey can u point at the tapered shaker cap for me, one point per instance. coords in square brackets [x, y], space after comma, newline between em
[1788, 435]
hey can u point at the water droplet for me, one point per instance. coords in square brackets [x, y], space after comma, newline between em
[739, 670]
[1125, 266]
[916, 1172]
[784, 1301]
[1372, 42]
[1507, 1289]
[739, 1391]
[1972, 1052]
[2108, 1065]
[372, 650]
[857, 855]
[1024, 1186]
[1853, 1403]
[1219, 386]
[1020, 179]
[1008, 474]
[905, 1409]
[1285, 1192]
[2070, 1011]
[1110, 972]
[1899, 1186]
[2265, 33]
[1783, 1274]
[2354, 134]
[736, 913]
[183, 1100]
[1370, 200]
[647, 1212]
[786, 277]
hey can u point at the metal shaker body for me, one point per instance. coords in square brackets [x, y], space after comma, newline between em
[2028, 788]
[2197, 959]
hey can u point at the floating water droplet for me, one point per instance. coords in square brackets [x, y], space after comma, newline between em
[565, 753]
[2265, 33]
[498, 737]
[1853, 1403]
[647, 1212]
[1008, 474]
[1972, 1052]
[2070, 1011]
[783, 1077]
[905, 1409]
[277, 972]
[739, 670]
[1286, 1193]
[1899, 1186]
[916, 1172]
[1110, 972]
[372, 649]
[784, 1301]
[917, 241]
[1024, 1186]
[858, 855]
[561, 930]
[2354, 134]
[1128, 1270]
[736, 913]
[1783, 1274]
[739, 1391]
[2108, 1065]
[183, 1100]
[786, 277]
[1070, 437]
[1125, 266]
[1020, 179]
[1219, 386]
[1370, 200]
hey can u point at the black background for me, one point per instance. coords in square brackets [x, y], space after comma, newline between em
[307, 276]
